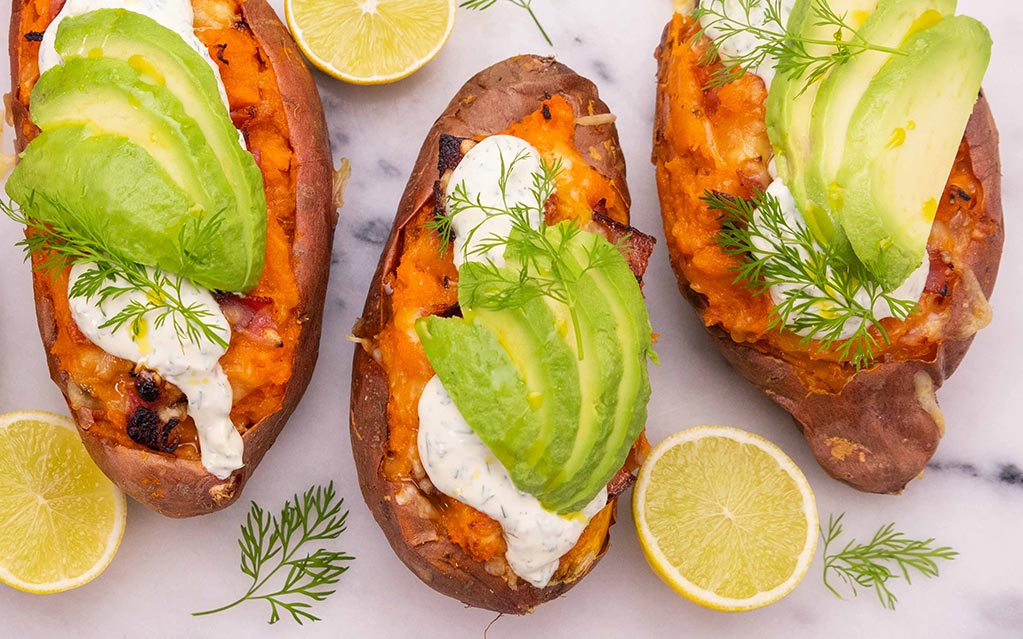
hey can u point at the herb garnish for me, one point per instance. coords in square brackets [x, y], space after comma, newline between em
[274, 541]
[870, 565]
[61, 244]
[776, 42]
[822, 290]
[480, 5]
[538, 256]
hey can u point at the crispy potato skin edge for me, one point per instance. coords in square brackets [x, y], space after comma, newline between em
[875, 435]
[182, 488]
[487, 104]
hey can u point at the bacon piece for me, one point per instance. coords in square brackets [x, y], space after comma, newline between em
[640, 245]
[252, 317]
[621, 482]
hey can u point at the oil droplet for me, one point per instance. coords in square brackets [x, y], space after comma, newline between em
[926, 20]
[898, 139]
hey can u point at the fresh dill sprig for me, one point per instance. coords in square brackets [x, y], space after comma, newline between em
[823, 292]
[886, 557]
[59, 244]
[271, 543]
[480, 5]
[538, 255]
[789, 50]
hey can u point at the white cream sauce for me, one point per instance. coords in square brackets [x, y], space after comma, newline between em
[457, 461]
[911, 289]
[743, 42]
[460, 465]
[176, 15]
[478, 173]
[192, 368]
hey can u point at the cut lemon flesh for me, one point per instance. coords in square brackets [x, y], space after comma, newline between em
[725, 518]
[370, 41]
[61, 519]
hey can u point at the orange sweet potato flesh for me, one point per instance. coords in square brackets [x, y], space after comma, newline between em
[450, 546]
[275, 104]
[874, 429]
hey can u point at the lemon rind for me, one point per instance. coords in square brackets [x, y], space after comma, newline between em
[113, 541]
[662, 566]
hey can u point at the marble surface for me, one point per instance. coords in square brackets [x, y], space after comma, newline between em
[971, 497]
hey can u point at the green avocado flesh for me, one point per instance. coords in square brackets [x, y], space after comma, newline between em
[128, 171]
[840, 92]
[561, 421]
[902, 140]
[133, 87]
[789, 105]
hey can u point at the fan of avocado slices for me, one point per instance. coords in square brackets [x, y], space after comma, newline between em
[865, 115]
[138, 158]
[547, 362]
[867, 149]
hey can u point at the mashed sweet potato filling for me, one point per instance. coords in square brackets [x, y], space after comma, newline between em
[717, 140]
[425, 283]
[258, 370]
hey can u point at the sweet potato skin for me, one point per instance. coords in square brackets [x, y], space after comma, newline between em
[487, 104]
[879, 430]
[181, 487]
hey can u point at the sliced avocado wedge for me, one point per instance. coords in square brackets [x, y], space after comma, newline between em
[889, 26]
[486, 386]
[532, 338]
[563, 402]
[111, 97]
[902, 140]
[627, 317]
[163, 58]
[601, 370]
[52, 184]
[789, 105]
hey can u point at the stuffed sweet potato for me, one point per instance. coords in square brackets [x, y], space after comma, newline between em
[873, 426]
[451, 546]
[135, 424]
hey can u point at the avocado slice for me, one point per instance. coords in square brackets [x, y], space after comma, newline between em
[514, 379]
[902, 140]
[111, 97]
[162, 57]
[789, 105]
[601, 369]
[629, 321]
[485, 384]
[840, 93]
[51, 182]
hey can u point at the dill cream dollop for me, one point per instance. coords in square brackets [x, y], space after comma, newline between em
[456, 460]
[192, 367]
[742, 42]
[461, 466]
[477, 227]
[910, 290]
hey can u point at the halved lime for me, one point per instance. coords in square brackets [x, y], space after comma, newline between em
[61, 519]
[370, 41]
[725, 518]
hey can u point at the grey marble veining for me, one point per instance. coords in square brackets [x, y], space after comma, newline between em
[971, 496]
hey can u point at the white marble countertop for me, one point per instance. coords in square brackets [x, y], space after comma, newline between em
[971, 497]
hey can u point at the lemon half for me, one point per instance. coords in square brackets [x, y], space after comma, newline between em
[370, 41]
[61, 519]
[725, 518]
